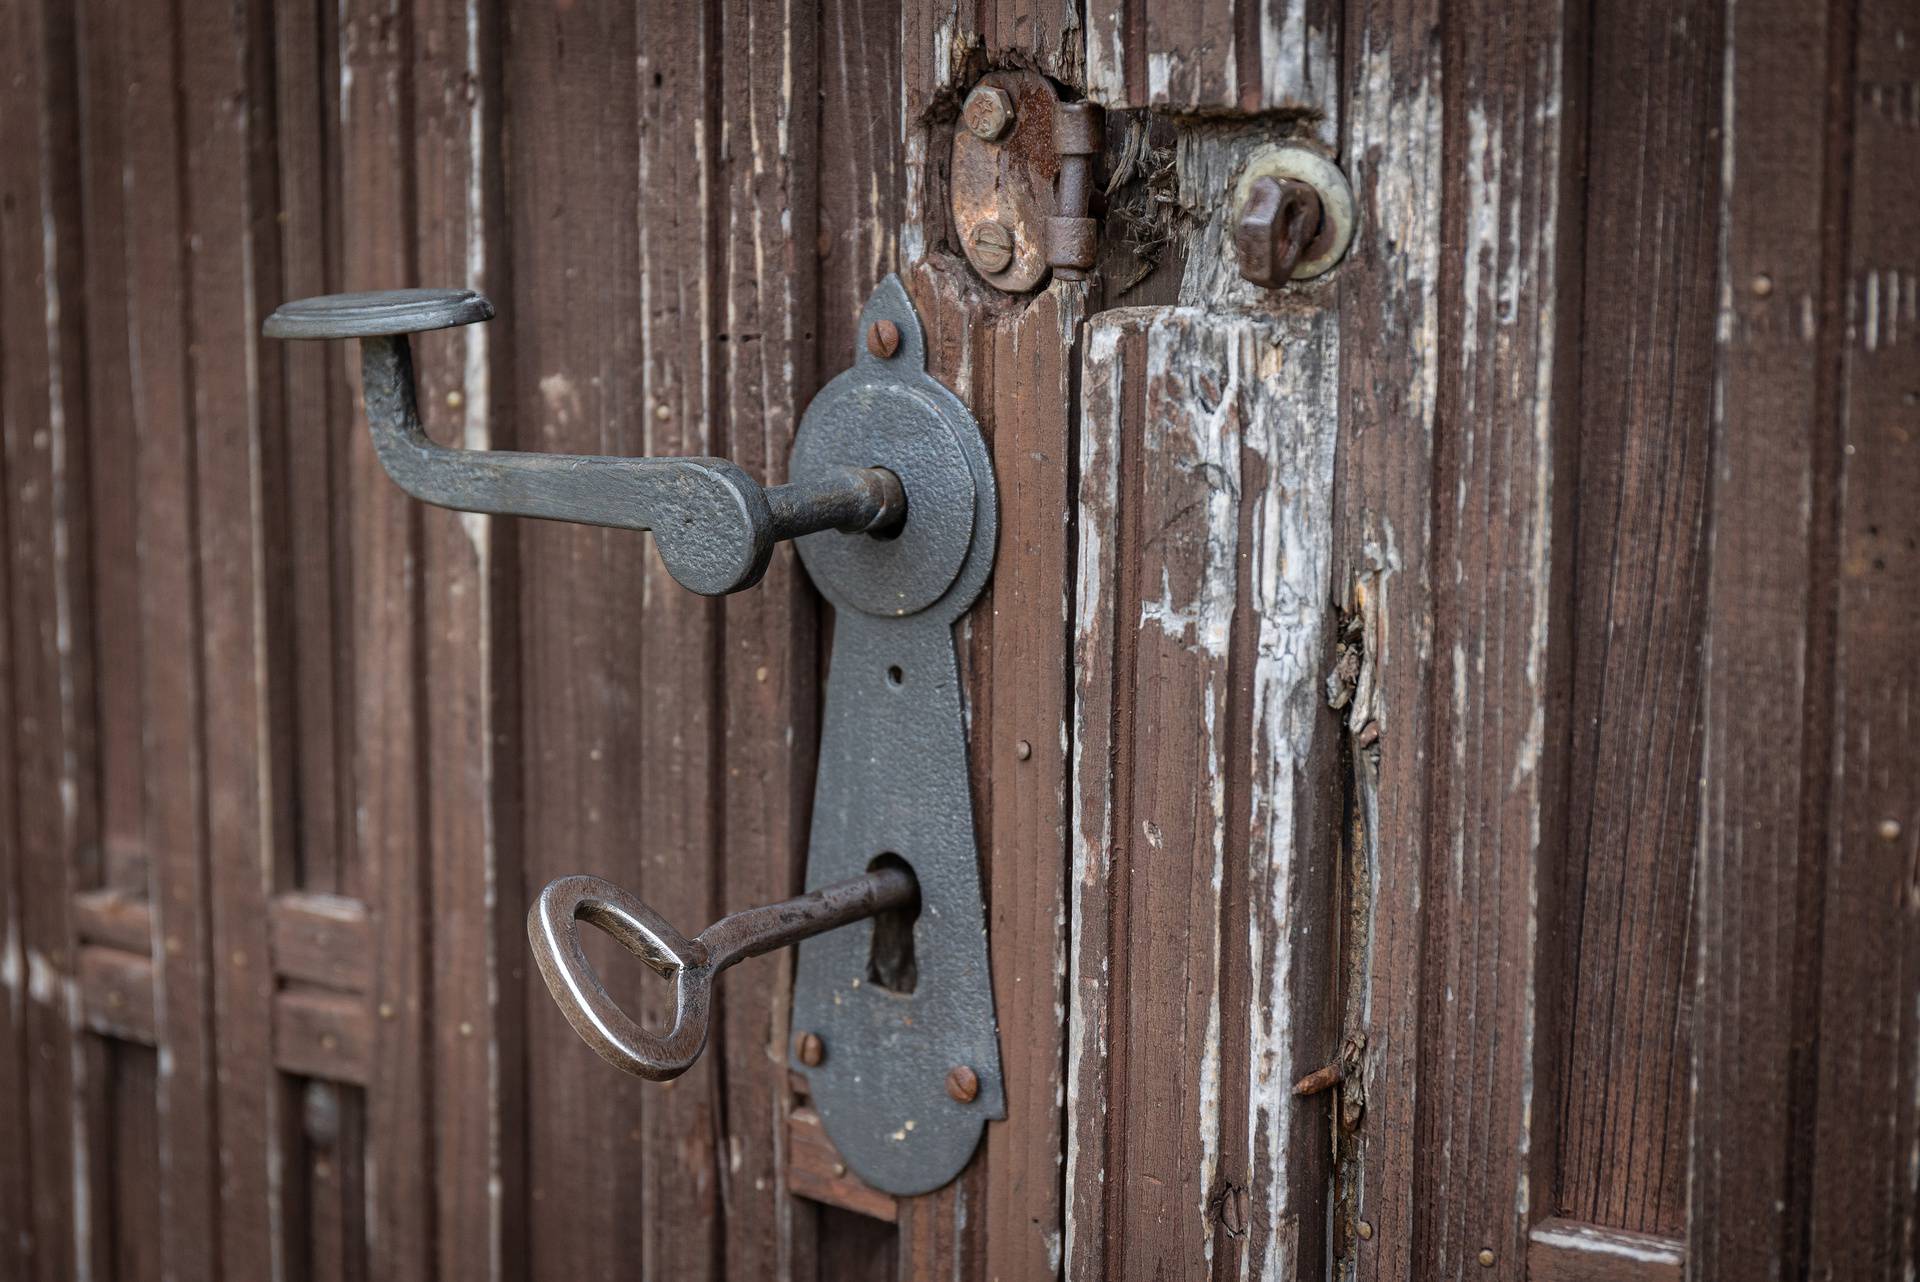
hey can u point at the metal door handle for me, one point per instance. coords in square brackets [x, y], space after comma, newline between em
[714, 525]
[553, 927]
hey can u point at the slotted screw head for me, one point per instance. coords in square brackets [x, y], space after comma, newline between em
[993, 246]
[883, 338]
[1274, 228]
[810, 1050]
[963, 1084]
[987, 113]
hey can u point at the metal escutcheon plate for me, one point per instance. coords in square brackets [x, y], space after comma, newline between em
[894, 772]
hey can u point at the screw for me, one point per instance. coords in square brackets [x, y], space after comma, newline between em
[1366, 1231]
[1023, 750]
[1889, 830]
[1273, 229]
[810, 1050]
[993, 246]
[987, 113]
[883, 338]
[1486, 1258]
[963, 1084]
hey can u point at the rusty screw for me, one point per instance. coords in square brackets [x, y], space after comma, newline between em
[1277, 223]
[810, 1050]
[992, 246]
[883, 338]
[963, 1084]
[987, 113]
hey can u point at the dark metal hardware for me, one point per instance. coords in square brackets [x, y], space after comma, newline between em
[904, 1077]
[894, 776]
[714, 525]
[553, 927]
[1293, 215]
[1022, 181]
[1280, 218]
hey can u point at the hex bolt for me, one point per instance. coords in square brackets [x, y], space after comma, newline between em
[963, 1084]
[883, 338]
[1274, 227]
[992, 246]
[988, 113]
[809, 1050]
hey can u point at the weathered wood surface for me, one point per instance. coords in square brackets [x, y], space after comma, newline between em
[1202, 628]
[1586, 478]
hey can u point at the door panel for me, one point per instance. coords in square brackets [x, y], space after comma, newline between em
[1485, 669]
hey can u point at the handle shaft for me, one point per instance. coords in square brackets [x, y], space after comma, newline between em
[715, 526]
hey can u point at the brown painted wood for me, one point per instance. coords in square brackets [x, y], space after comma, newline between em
[389, 748]
[573, 233]
[1383, 543]
[322, 939]
[470, 636]
[116, 991]
[814, 1170]
[229, 209]
[1219, 56]
[327, 1035]
[1768, 655]
[1202, 637]
[681, 409]
[1862, 1213]
[1626, 961]
[771, 352]
[1572, 1251]
[1621, 481]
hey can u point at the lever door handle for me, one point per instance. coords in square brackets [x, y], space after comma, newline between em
[553, 928]
[715, 526]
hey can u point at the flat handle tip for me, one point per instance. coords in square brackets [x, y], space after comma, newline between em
[377, 313]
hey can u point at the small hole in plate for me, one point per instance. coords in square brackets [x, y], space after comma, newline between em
[896, 676]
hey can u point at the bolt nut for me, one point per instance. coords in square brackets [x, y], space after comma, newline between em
[963, 1084]
[1278, 220]
[988, 113]
[992, 247]
[883, 338]
[809, 1050]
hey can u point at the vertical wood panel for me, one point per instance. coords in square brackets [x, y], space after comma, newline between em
[577, 309]
[174, 691]
[771, 205]
[1383, 538]
[1451, 544]
[1013, 368]
[682, 410]
[1201, 773]
[471, 635]
[1767, 665]
[43, 414]
[390, 767]
[227, 284]
[1501, 556]
[1864, 1203]
[1625, 958]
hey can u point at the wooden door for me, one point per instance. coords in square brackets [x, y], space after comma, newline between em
[1490, 668]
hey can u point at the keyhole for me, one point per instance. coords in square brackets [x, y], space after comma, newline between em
[890, 961]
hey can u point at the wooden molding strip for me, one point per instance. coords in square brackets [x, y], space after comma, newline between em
[814, 1170]
[322, 939]
[1570, 1251]
[321, 1034]
[114, 918]
[116, 991]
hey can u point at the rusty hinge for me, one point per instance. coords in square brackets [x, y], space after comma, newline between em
[1022, 181]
